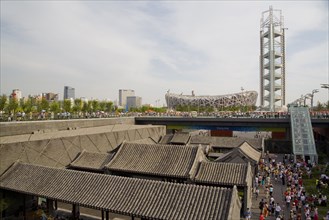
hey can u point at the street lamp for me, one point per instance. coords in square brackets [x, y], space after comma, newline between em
[312, 96]
[168, 106]
[326, 86]
[307, 96]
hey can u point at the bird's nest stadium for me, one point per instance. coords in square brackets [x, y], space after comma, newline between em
[247, 98]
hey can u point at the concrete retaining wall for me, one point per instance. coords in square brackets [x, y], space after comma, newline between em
[59, 148]
[29, 127]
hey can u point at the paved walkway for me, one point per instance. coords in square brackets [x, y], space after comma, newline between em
[278, 192]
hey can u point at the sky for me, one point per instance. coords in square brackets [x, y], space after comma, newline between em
[211, 47]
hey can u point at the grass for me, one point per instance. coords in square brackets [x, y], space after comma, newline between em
[310, 187]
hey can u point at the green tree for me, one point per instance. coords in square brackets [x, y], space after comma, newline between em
[319, 106]
[13, 106]
[3, 102]
[109, 106]
[77, 105]
[26, 105]
[86, 107]
[102, 106]
[95, 105]
[44, 104]
[67, 105]
[54, 107]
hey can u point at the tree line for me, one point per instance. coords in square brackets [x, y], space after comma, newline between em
[11, 106]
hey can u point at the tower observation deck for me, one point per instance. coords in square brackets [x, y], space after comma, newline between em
[272, 60]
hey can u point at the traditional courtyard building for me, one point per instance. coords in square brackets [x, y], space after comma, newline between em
[91, 162]
[133, 197]
[242, 154]
[173, 163]
[227, 175]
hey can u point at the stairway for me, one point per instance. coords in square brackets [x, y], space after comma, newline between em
[302, 134]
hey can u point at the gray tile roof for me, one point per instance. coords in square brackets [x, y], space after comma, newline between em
[159, 160]
[166, 139]
[250, 152]
[244, 151]
[143, 141]
[180, 138]
[225, 142]
[222, 174]
[91, 161]
[128, 196]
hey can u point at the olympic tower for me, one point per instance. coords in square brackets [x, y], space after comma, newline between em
[272, 60]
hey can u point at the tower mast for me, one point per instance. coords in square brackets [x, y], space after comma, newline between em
[272, 60]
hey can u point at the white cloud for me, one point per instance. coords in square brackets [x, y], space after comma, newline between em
[100, 47]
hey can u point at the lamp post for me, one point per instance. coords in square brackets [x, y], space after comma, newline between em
[168, 106]
[307, 96]
[325, 86]
[312, 96]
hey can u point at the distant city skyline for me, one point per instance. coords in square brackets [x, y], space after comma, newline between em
[151, 47]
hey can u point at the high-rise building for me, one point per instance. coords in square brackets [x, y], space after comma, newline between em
[134, 102]
[123, 94]
[69, 92]
[50, 96]
[272, 60]
[16, 94]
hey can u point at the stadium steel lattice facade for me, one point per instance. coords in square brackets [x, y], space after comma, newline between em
[247, 98]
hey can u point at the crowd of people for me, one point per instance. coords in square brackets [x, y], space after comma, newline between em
[295, 203]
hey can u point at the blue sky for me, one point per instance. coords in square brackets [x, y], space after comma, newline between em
[211, 47]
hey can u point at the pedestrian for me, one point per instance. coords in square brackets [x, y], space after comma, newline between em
[327, 217]
[277, 210]
[257, 193]
[316, 214]
[265, 210]
[288, 199]
[247, 214]
[261, 205]
[271, 190]
[261, 217]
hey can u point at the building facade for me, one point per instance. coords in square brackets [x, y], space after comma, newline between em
[17, 94]
[123, 94]
[69, 92]
[247, 98]
[272, 60]
[50, 96]
[134, 102]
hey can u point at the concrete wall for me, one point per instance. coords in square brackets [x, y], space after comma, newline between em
[59, 148]
[28, 127]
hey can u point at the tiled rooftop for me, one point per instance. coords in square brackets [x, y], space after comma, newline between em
[222, 173]
[128, 196]
[159, 160]
[91, 161]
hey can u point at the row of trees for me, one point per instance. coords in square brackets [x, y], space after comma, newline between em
[12, 106]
